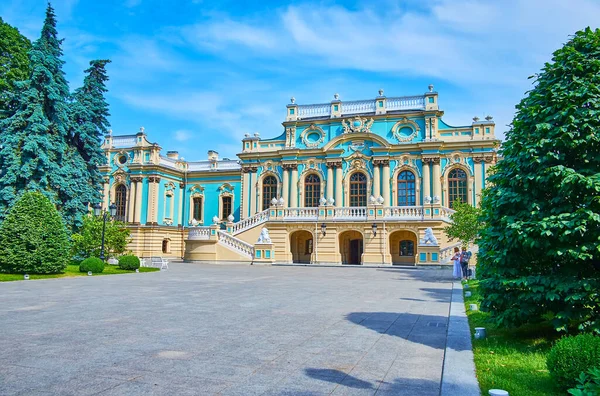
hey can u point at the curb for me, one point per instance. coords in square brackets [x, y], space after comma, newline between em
[458, 372]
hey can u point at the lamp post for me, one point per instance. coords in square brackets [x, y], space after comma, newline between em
[97, 212]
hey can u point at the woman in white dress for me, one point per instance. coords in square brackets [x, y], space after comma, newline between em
[457, 271]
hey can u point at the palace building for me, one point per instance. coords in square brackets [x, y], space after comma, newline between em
[345, 182]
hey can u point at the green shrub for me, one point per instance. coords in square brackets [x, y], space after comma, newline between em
[88, 240]
[129, 262]
[33, 237]
[93, 264]
[588, 384]
[571, 356]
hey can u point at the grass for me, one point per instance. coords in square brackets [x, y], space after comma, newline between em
[71, 271]
[511, 359]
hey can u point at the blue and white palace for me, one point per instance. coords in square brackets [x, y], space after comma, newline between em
[345, 182]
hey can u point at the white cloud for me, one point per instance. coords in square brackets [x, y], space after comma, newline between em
[182, 135]
[132, 3]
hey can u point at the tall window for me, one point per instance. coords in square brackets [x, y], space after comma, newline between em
[358, 189]
[406, 189]
[269, 191]
[120, 201]
[312, 190]
[225, 207]
[457, 186]
[197, 208]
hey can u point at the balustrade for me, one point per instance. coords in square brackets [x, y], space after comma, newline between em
[351, 213]
[199, 233]
[405, 103]
[236, 244]
[250, 222]
[403, 212]
[359, 106]
[301, 213]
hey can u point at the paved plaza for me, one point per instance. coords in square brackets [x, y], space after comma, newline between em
[227, 330]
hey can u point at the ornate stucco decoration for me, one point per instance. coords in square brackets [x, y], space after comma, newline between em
[290, 137]
[226, 187]
[120, 177]
[457, 159]
[312, 136]
[357, 124]
[402, 124]
[121, 158]
[407, 162]
[488, 158]
[357, 145]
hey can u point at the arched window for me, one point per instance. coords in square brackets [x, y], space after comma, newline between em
[406, 189]
[197, 208]
[269, 191]
[312, 190]
[457, 186]
[120, 201]
[358, 189]
[225, 207]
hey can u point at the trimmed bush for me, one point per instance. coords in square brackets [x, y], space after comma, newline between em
[33, 237]
[129, 262]
[571, 356]
[93, 264]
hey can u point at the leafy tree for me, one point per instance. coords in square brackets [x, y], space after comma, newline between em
[14, 65]
[88, 241]
[540, 251]
[33, 140]
[466, 224]
[33, 237]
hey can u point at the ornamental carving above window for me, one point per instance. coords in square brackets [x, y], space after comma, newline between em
[312, 136]
[405, 130]
[357, 125]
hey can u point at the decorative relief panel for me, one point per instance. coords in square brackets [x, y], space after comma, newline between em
[357, 124]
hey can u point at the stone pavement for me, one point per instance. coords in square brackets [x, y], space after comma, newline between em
[227, 330]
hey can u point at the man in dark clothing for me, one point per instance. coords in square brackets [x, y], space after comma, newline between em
[465, 256]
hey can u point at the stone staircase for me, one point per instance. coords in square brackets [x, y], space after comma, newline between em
[236, 245]
[251, 222]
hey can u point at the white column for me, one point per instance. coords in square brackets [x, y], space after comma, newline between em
[130, 201]
[426, 179]
[294, 181]
[437, 184]
[329, 182]
[139, 186]
[376, 180]
[285, 193]
[245, 198]
[180, 210]
[106, 198]
[338, 185]
[254, 191]
[386, 184]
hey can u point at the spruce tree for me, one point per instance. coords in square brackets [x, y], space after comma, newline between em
[89, 113]
[34, 139]
[539, 253]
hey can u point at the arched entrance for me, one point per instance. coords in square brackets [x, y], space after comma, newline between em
[403, 247]
[301, 246]
[351, 247]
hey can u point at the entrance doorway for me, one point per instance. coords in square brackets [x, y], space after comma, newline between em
[403, 247]
[351, 247]
[301, 246]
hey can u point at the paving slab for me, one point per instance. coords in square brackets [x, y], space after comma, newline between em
[227, 330]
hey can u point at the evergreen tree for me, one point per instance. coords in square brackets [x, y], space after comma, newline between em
[540, 250]
[14, 65]
[89, 112]
[34, 139]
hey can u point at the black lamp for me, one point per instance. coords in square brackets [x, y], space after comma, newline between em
[113, 209]
[97, 209]
[324, 229]
[374, 227]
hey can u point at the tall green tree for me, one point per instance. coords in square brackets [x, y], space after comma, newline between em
[88, 240]
[89, 115]
[540, 251]
[34, 139]
[14, 65]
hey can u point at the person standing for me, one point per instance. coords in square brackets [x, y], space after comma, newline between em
[465, 256]
[457, 271]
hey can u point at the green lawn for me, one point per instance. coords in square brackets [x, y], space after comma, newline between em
[513, 360]
[73, 270]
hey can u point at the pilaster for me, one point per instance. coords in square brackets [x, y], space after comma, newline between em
[426, 178]
[294, 181]
[286, 184]
[329, 181]
[338, 184]
[106, 197]
[376, 179]
[137, 183]
[386, 182]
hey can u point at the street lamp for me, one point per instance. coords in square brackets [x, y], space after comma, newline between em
[374, 228]
[97, 212]
[324, 229]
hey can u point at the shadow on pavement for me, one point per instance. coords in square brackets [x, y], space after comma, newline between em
[438, 295]
[428, 330]
[400, 386]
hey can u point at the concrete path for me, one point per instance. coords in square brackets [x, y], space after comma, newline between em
[227, 330]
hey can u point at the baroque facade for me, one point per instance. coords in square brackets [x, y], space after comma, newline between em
[359, 182]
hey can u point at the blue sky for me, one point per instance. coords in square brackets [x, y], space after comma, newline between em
[198, 74]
